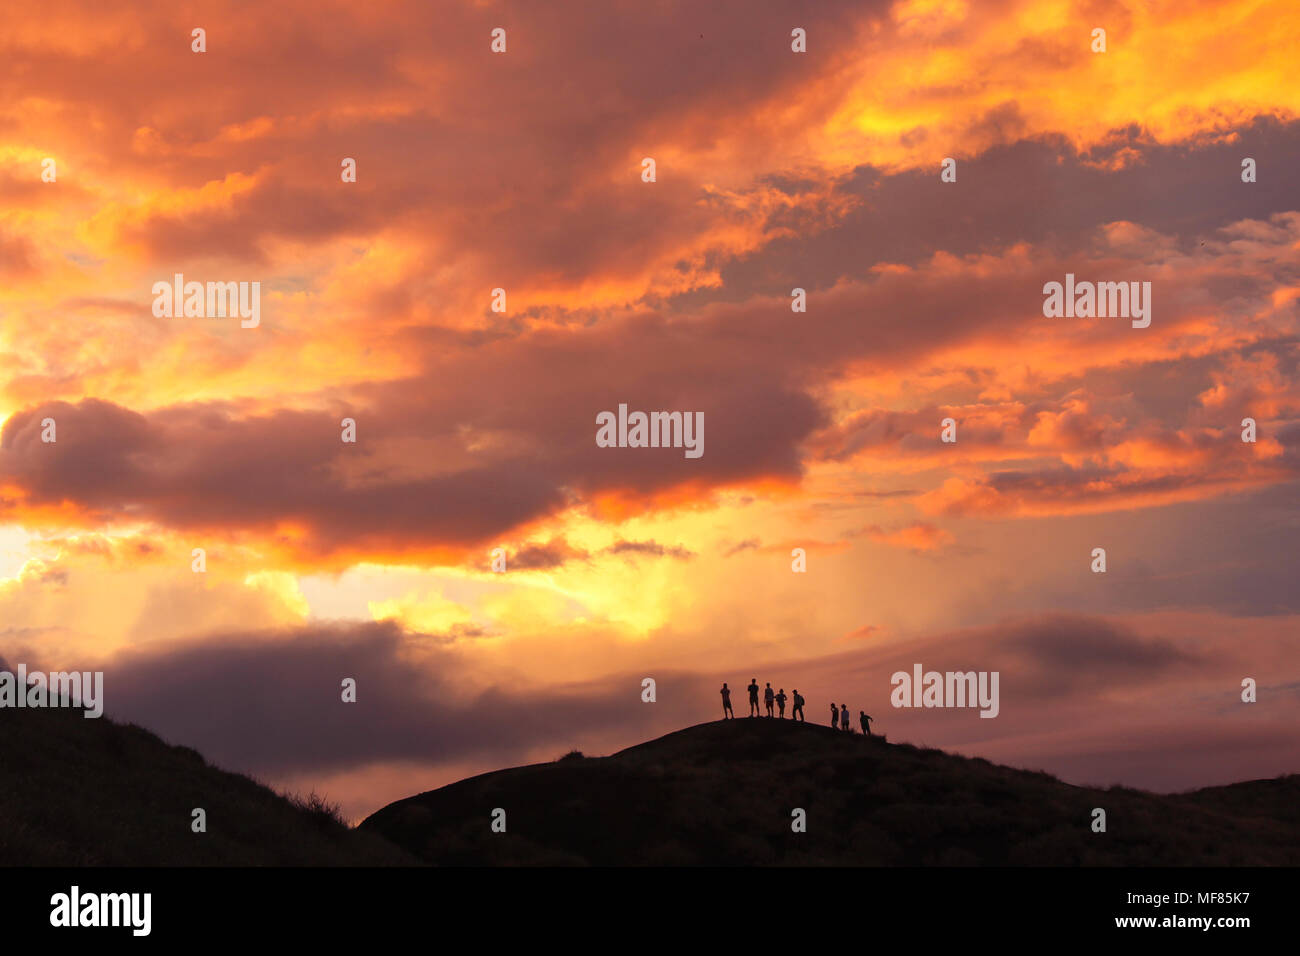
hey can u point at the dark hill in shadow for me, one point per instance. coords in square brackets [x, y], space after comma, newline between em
[79, 792]
[723, 792]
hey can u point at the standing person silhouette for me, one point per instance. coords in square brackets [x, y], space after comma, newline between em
[780, 703]
[768, 697]
[797, 713]
[726, 702]
[753, 697]
[844, 719]
[865, 720]
[835, 716]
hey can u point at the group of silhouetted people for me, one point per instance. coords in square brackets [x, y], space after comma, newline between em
[777, 699]
[771, 699]
[841, 717]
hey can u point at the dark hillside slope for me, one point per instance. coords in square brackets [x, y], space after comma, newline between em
[93, 792]
[722, 793]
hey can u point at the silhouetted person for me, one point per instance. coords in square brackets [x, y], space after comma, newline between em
[835, 716]
[780, 703]
[797, 713]
[753, 697]
[726, 702]
[844, 718]
[768, 697]
[865, 721]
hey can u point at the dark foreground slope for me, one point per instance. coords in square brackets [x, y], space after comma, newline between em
[92, 792]
[722, 793]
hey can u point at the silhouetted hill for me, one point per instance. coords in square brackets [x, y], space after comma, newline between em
[76, 791]
[723, 792]
[93, 792]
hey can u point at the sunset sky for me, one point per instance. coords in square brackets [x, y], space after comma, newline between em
[775, 170]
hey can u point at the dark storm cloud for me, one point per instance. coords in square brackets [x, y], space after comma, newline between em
[649, 549]
[1040, 191]
[270, 703]
[1064, 653]
[206, 467]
